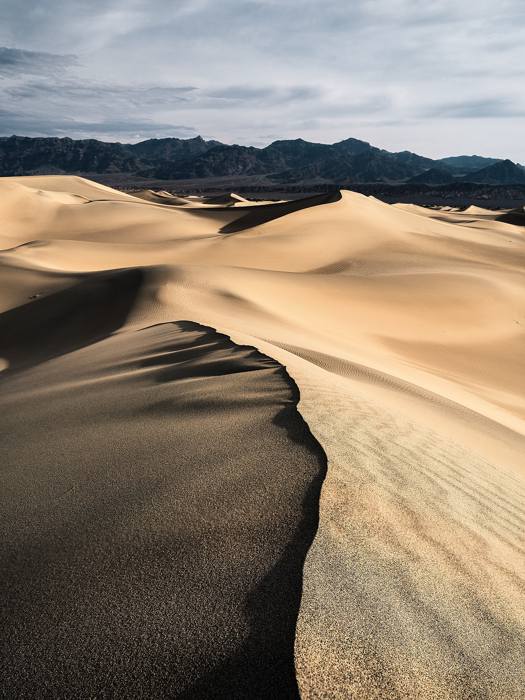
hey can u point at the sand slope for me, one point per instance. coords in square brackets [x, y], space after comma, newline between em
[404, 328]
[160, 497]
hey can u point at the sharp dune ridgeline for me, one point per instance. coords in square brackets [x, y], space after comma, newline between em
[260, 449]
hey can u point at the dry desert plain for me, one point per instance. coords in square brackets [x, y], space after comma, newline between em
[257, 450]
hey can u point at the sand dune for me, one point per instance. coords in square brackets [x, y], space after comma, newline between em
[404, 329]
[161, 197]
[130, 569]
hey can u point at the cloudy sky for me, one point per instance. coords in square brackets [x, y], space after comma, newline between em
[438, 78]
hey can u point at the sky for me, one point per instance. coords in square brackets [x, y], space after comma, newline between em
[438, 78]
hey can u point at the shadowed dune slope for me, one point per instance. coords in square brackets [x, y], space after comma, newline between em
[404, 330]
[158, 498]
[82, 314]
[514, 216]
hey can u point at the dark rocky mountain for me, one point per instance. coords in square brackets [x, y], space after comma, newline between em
[357, 165]
[433, 176]
[218, 161]
[350, 161]
[297, 160]
[504, 172]
[20, 155]
[466, 164]
[278, 157]
[171, 148]
[378, 165]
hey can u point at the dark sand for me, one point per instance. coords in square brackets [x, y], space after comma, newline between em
[159, 494]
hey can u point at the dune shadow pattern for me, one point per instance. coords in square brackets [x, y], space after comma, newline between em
[255, 215]
[170, 565]
[516, 217]
[70, 319]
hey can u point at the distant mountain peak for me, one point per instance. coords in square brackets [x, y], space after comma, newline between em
[467, 163]
[351, 139]
[504, 172]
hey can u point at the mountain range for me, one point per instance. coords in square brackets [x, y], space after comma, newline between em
[350, 161]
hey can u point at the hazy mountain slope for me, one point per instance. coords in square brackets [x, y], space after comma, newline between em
[503, 172]
[467, 163]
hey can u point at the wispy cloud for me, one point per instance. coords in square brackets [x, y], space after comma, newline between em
[75, 91]
[241, 93]
[489, 108]
[20, 62]
[119, 129]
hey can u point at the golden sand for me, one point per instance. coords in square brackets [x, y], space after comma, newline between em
[404, 329]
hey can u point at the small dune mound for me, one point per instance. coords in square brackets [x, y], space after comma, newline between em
[67, 184]
[478, 211]
[161, 197]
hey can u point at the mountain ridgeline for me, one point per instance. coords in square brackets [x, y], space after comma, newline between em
[282, 162]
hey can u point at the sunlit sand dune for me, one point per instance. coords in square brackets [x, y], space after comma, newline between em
[149, 350]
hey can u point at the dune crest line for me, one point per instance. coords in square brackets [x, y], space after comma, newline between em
[168, 562]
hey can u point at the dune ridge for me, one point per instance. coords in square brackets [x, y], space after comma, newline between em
[141, 558]
[403, 328]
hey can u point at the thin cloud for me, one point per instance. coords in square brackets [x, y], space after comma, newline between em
[77, 90]
[241, 93]
[491, 108]
[19, 62]
[134, 129]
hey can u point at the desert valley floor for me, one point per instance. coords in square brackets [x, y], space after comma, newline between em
[259, 450]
